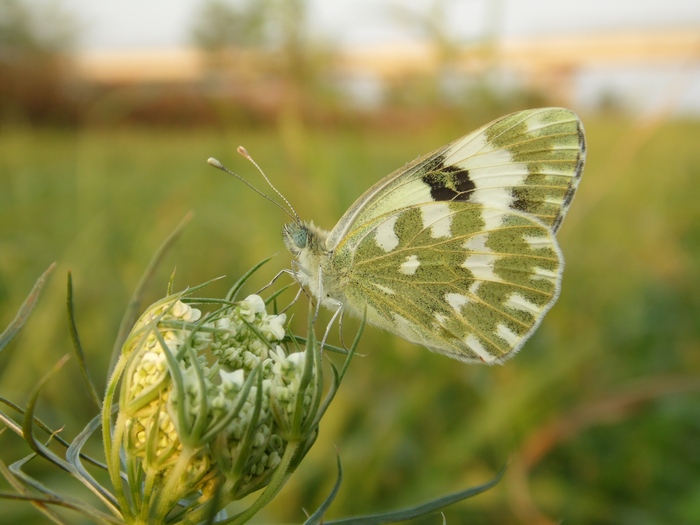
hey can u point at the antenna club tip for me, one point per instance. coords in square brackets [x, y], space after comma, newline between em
[243, 152]
[213, 162]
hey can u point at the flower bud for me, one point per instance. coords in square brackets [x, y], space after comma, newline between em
[210, 401]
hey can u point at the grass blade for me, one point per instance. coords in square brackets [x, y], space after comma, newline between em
[77, 346]
[419, 510]
[26, 309]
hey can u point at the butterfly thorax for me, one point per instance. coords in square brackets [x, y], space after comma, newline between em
[307, 243]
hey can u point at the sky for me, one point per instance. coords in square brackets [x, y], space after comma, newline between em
[128, 24]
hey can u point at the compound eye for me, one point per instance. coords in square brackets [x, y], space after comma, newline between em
[300, 238]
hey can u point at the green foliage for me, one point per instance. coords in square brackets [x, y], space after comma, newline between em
[599, 411]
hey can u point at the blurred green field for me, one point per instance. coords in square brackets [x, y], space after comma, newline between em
[599, 415]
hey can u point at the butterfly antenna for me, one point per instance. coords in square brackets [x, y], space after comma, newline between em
[213, 162]
[242, 151]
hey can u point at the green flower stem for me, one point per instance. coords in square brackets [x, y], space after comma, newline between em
[112, 452]
[172, 491]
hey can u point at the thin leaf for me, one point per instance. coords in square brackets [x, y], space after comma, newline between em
[16, 469]
[12, 425]
[60, 502]
[19, 487]
[134, 306]
[326, 346]
[420, 510]
[248, 438]
[231, 295]
[77, 346]
[279, 292]
[73, 457]
[338, 376]
[28, 422]
[26, 309]
[317, 517]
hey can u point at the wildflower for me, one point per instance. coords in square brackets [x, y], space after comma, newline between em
[209, 401]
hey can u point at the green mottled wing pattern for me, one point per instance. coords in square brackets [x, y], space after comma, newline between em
[457, 251]
[458, 278]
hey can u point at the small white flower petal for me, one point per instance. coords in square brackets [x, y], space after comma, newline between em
[250, 306]
[232, 380]
[179, 309]
[298, 359]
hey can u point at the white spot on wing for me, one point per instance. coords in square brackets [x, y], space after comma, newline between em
[474, 288]
[542, 273]
[519, 302]
[475, 346]
[494, 197]
[507, 334]
[385, 236]
[410, 265]
[493, 219]
[456, 301]
[440, 318]
[384, 289]
[536, 121]
[477, 243]
[493, 171]
[438, 218]
[537, 241]
[509, 173]
[465, 157]
[481, 265]
[467, 148]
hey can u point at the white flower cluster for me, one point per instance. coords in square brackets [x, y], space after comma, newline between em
[244, 436]
[235, 343]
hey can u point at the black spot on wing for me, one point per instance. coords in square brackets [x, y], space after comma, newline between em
[461, 179]
[438, 190]
[449, 183]
[521, 205]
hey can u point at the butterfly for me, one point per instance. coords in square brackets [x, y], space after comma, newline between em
[456, 251]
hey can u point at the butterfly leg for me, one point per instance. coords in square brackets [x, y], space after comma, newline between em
[279, 274]
[296, 298]
[336, 314]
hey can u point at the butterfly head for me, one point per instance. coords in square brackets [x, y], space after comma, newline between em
[296, 237]
[300, 237]
[307, 243]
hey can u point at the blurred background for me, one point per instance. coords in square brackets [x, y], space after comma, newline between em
[108, 112]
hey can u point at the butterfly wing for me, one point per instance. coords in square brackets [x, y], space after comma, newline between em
[459, 278]
[529, 162]
[456, 251]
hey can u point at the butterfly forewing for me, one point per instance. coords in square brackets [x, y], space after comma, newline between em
[529, 162]
[462, 279]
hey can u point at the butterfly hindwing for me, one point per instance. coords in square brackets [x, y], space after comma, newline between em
[456, 277]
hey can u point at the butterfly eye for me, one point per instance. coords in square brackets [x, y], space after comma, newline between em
[296, 236]
[300, 237]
